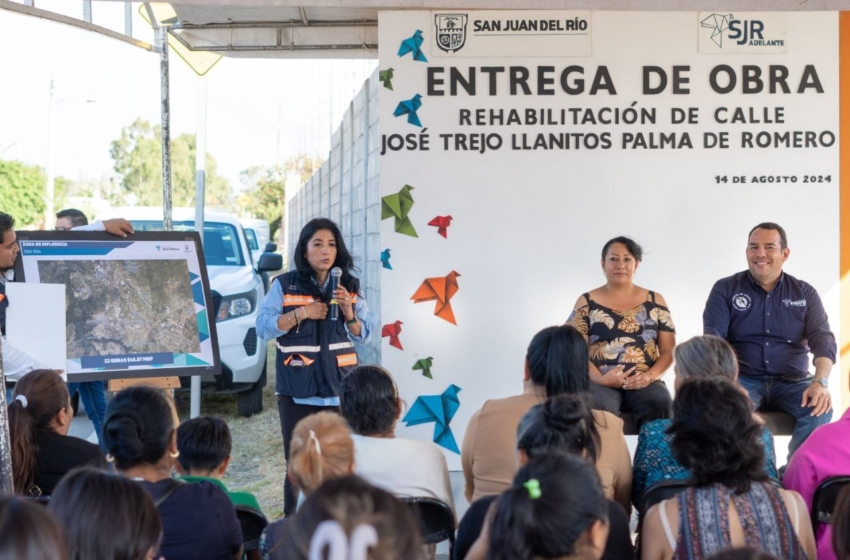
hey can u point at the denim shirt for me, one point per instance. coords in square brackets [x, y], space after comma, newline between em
[772, 332]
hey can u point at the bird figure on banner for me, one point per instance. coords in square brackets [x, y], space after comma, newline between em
[442, 223]
[385, 259]
[398, 206]
[393, 330]
[386, 78]
[425, 365]
[439, 409]
[413, 45]
[442, 290]
[409, 107]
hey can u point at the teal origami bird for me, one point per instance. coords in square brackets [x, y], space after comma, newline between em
[413, 45]
[439, 409]
[409, 108]
[385, 259]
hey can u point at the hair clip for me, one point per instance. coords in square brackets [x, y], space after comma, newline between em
[533, 487]
[316, 440]
[23, 399]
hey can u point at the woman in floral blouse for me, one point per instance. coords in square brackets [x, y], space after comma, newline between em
[630, 337]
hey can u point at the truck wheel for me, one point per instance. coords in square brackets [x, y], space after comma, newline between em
[250, 402]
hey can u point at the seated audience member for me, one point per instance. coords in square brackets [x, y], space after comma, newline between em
[406, 467]
[352, 519]
[28, 532]
[198, 520]
[42, 451]
[204, 445]
[731, 502]
[321, 449]
[556, 363]
[562, 424]
[825, 453]
[841, 521]
[106, 516]
[555, 509]
[701, 356]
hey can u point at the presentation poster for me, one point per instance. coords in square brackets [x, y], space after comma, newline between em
[134, 307]
[516, 143]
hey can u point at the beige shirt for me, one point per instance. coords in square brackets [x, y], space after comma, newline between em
[489, 459]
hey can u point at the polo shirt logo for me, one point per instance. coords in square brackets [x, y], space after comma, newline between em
[741, 301]
[794, 303]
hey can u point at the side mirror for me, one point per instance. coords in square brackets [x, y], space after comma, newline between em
[270, 262]
[270, 248]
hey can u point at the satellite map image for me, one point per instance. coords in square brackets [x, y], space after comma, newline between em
[125, 307]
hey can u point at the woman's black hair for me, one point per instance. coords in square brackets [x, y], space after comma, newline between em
[715, 435]
[344, 260]
[352, 502]
[529, 525]
[562, 424]
[28, 532]
[742, 554]
[138, 426]
[557, 359]
[105, 516]
[368, 400]
[631, 246]
[841, 525]
[45, 394]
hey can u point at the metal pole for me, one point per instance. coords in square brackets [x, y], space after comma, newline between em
[50, 190]
[200, 184]
[6, 482]
[165, 113]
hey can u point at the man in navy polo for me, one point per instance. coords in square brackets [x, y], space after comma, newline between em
[774, 321]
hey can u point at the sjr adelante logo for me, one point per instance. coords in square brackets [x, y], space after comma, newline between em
[755, 32]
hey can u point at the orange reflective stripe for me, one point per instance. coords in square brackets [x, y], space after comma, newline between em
[353, 299]
[2, 297]
[346, 360]
[296, 300]
[307, 361]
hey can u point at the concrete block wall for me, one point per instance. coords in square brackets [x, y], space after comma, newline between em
[346, 190]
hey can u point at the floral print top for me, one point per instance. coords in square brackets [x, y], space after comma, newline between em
[622, 337]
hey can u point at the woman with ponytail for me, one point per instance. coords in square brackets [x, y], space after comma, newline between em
[556, 363]
[561, 425]
[321, 449]
[554, 510]
[198, 520]
[42, 451]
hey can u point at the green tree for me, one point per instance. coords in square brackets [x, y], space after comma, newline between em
[138, 160]
[22, 190]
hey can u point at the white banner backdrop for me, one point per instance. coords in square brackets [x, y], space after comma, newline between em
[664, 127]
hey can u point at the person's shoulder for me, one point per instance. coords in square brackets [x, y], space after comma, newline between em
[607, 421]
[729, 281]
[74, 445]
[654, 429]
[798, 283]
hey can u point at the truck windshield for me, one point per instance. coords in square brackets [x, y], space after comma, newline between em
[221, 242]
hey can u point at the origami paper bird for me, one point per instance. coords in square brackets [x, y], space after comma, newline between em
[718, 23]
[409, 108]
[442, 223]
[386, 76]
[442, 290]
[398, 205]
[393, 330]
[413, 45]
[439, 409]
[385, 259]
[425, 365]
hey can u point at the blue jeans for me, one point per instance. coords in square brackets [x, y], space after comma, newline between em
[784, 394]
[93, 395]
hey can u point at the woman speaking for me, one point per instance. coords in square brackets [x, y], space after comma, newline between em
[315, 320]
[630, 337]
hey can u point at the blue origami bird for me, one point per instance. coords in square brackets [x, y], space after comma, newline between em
[409, 108]
[385, 259]
[413, 45]
[439, 409]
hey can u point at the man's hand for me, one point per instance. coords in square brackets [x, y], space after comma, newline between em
[118, 226]
[817, 396]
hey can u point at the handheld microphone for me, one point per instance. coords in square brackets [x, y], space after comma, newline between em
[336, 274]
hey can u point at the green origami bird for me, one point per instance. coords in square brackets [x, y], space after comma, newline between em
[425, 365]
[386, 76]
[398, 205]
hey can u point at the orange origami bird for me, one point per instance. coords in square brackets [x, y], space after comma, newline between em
[442, 223]
[442, 290]
[392, 330]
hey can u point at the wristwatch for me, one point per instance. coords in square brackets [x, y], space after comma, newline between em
[823, 381]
